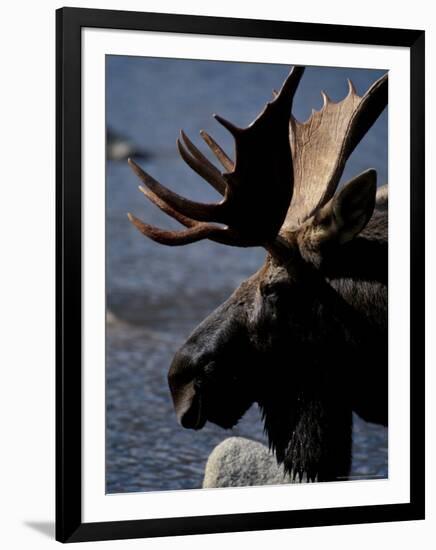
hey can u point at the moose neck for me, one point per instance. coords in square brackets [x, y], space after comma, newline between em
[307, 406]
[308, 420]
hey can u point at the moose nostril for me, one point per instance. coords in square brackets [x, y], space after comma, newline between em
[194, 416]
[183, 395]
[188, 405]
[189, 417]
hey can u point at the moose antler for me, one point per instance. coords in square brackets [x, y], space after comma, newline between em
[302, 162]
[257, 187]
[322, 145]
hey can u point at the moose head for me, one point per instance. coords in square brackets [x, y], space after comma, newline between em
[286, 336]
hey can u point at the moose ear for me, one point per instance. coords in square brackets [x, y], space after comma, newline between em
[347, 213]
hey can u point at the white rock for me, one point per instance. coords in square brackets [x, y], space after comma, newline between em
[240, 462]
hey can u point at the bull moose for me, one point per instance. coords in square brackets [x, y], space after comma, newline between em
[305, 337]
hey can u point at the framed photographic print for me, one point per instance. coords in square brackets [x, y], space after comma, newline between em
[240, 341]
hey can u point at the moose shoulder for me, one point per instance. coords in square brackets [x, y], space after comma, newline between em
[306, 336]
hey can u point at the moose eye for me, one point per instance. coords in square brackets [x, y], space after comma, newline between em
[275, 290]
[268, 290]
[280, 291]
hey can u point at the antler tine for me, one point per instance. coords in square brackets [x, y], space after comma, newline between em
[197, 210]
[370, 108]
[285, 96]
[351, 87]
[200, 164]
[325, 98]
[152, 197]
[196, 233]
[224, 159]
[232, 128]
[287, 91]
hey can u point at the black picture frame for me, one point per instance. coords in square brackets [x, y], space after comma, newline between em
[69, 525]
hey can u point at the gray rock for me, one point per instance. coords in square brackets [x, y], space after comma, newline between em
[240, 462]
[120, 148]
[111, 318]
[381, 198]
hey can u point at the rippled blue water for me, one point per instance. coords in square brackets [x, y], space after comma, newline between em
[157, 295]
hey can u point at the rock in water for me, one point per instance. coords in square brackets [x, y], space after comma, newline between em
[120, 148]
[381, 199]
[240, 462]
